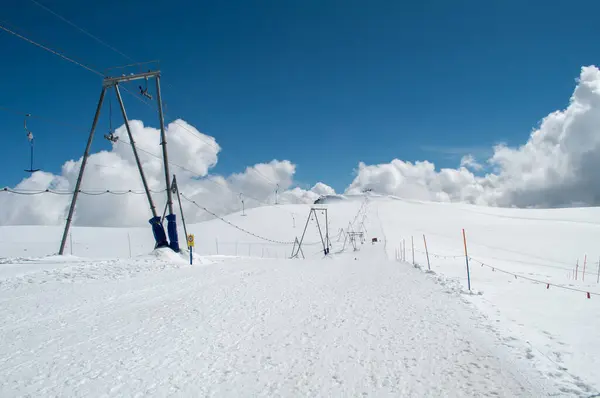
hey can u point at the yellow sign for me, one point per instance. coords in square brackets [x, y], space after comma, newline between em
[190, 240]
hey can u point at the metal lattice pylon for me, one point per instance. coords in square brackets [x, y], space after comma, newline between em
[324, 239]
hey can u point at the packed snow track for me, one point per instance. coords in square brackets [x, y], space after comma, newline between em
[355, 324]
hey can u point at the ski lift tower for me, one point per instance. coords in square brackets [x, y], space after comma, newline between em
[157, 227]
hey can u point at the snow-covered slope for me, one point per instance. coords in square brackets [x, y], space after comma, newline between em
[243, 320]
[554, 327]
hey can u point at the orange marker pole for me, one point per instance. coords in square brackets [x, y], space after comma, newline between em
[467, 259]
[584, 262]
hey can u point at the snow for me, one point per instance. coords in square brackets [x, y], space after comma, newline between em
[117, 318]
[554, 328]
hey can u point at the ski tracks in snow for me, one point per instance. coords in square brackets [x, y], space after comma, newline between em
[250, 328]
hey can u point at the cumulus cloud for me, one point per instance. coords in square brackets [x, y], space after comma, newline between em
[322, 189]
[557, 166]
[468, 161]
[193, 153]
[417, 180]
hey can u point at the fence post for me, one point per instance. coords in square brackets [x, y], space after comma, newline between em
[403, 249]
[426, 253]
[584, 263]
[129, 243]
[576, 268]
[412, 243]
[467, 259]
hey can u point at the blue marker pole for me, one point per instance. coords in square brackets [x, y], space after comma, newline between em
[190, 243]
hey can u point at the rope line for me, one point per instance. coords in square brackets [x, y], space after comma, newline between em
[494, 268]
[532, 279]
[501, 259]
[233, 225]
[98, 193]
[83, 192]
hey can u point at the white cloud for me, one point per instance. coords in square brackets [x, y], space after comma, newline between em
[417, 181]
[468, 161]
[116, 170]
[322, 189]
[557, 166]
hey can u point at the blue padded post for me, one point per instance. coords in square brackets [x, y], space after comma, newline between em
[159, 232]
[172, 230]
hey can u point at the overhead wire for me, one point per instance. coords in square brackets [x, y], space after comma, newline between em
[90, 69]
[137, 97]
[86, 66]
[117, 51]
[81, 29]
[50, 50]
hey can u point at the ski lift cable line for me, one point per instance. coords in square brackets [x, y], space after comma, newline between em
[86, 66]
[82, 30]
[97, 39]
[100, 74]
[133, 64]
[50, 50]
[124, 88]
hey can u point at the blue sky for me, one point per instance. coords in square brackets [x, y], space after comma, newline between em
[325, 84]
